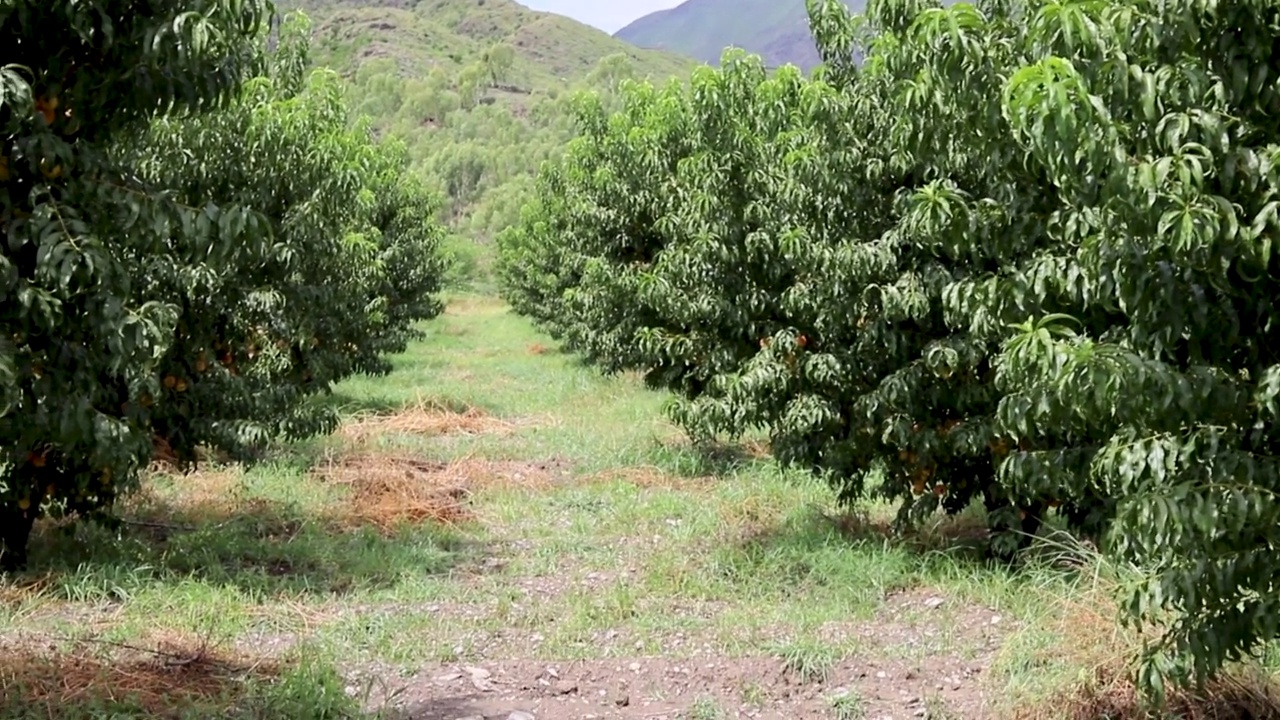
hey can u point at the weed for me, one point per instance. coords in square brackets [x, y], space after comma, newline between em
[810, 661]
[706, 708]
[849, 705]
[754, 694]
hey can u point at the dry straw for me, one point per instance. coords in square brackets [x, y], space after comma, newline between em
[390, 490]
[428, 418]
[160, 676]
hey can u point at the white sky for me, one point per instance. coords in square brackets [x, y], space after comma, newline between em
[608, 15]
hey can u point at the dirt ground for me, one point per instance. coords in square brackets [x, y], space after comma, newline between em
[899, 675]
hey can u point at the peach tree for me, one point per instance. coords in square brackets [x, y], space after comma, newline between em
[1155, 124]
[78, 346]
[951, 243]
[793, 279]
[592, 227]
[1094, 206]
[348, 265]
[651, 244]
[1021, 251]
[186, 256]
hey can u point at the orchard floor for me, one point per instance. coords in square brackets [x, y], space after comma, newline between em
[498, 530]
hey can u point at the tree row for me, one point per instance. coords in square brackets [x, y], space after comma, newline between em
[195, 244]
[1018, 252]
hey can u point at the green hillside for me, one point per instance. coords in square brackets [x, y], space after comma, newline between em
[423, 34]
[777, 30]
[478, 91]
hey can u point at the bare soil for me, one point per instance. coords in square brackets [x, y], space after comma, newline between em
[900, 674]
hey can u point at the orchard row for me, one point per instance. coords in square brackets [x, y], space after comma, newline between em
[1020, 251]
[195, 244]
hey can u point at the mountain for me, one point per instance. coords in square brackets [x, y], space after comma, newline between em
[777, 30]
[419, 35]
[479, 91]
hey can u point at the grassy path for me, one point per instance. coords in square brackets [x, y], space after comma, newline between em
[500, 530]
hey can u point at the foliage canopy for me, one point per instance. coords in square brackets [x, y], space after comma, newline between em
[186, 260]
[1022, 252]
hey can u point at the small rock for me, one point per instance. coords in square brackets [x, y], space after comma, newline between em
[995, 619]
[635, 667]
[565, 687]
[933, 602]
[622, 700]
[882, 675]
[921, 712]
[472, 717]
[521, 715]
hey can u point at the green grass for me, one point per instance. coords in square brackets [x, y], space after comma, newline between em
[606, 538]
[849, 706]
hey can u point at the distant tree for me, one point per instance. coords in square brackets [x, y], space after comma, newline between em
[437, 79]
[498, 60]
[469, 84]
[610, 71]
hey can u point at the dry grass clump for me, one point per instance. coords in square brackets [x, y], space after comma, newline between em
[20, 590]
[164, 675]
[472, 305]
[205, 495]
[1098, 652]
[390, 490]
[426, 418]
[741, 451]
[757, 449]
[1242, 695]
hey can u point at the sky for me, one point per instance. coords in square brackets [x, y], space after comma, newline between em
[608, 15]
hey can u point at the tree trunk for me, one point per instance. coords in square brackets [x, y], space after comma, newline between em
[15, 531]
[16, 523]
[1026, 527]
